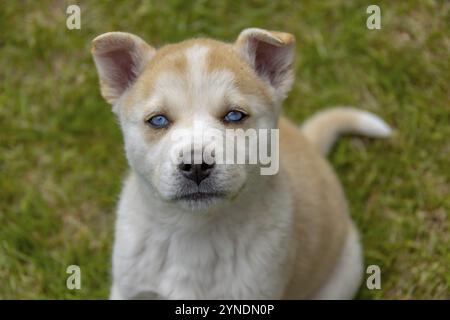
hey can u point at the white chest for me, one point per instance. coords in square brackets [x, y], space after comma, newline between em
[220, 262]
[242, 252]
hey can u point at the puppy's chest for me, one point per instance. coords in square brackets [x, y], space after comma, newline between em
[213, 264]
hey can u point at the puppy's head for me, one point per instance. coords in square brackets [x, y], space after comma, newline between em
[192, 87]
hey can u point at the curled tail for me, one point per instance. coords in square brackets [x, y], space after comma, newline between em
[323, 128]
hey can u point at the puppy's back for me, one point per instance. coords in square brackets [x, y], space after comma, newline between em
[321, 214]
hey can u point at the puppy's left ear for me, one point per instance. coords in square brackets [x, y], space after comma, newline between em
[119, 57]
[271, 54]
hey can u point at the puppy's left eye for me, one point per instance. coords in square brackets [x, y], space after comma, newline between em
[158, 121]
[234, 116]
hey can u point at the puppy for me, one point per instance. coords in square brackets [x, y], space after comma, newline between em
[225, 231]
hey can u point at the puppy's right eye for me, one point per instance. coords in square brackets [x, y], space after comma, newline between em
[158, 121]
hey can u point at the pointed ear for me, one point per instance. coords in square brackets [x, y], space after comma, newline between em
[119, 57]
[271, 54]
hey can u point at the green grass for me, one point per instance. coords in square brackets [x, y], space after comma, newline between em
[61, 151]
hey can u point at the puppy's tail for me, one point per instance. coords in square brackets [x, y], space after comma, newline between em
[323, 128]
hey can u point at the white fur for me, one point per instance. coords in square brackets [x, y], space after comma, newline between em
[163, 252]
[344, 281]
[373, 126]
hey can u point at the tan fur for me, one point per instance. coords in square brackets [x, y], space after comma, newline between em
[224, 56]
[220, 56]
[168, 58]
[274, 37]
[321, 217]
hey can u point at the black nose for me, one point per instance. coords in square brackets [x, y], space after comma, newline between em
[196, 172]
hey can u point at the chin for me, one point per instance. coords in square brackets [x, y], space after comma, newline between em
[199, 201]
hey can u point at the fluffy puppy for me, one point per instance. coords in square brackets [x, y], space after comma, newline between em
[225, 231]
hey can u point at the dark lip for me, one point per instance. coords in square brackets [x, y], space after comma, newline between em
[200, 196]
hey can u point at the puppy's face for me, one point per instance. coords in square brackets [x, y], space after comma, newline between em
[170, 100]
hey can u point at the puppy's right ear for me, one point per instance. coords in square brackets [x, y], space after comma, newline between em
[119, 57]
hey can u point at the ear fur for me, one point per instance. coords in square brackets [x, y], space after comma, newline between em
[119, 57]
[271, 55]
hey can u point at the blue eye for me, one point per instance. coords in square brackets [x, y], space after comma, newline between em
[234, 116]
[158, 121]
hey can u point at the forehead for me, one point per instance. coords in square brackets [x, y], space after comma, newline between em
[196, 67]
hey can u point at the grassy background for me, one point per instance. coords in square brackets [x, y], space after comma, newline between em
[61, 152]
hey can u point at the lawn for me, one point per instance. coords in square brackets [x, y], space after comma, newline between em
[61, 151]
